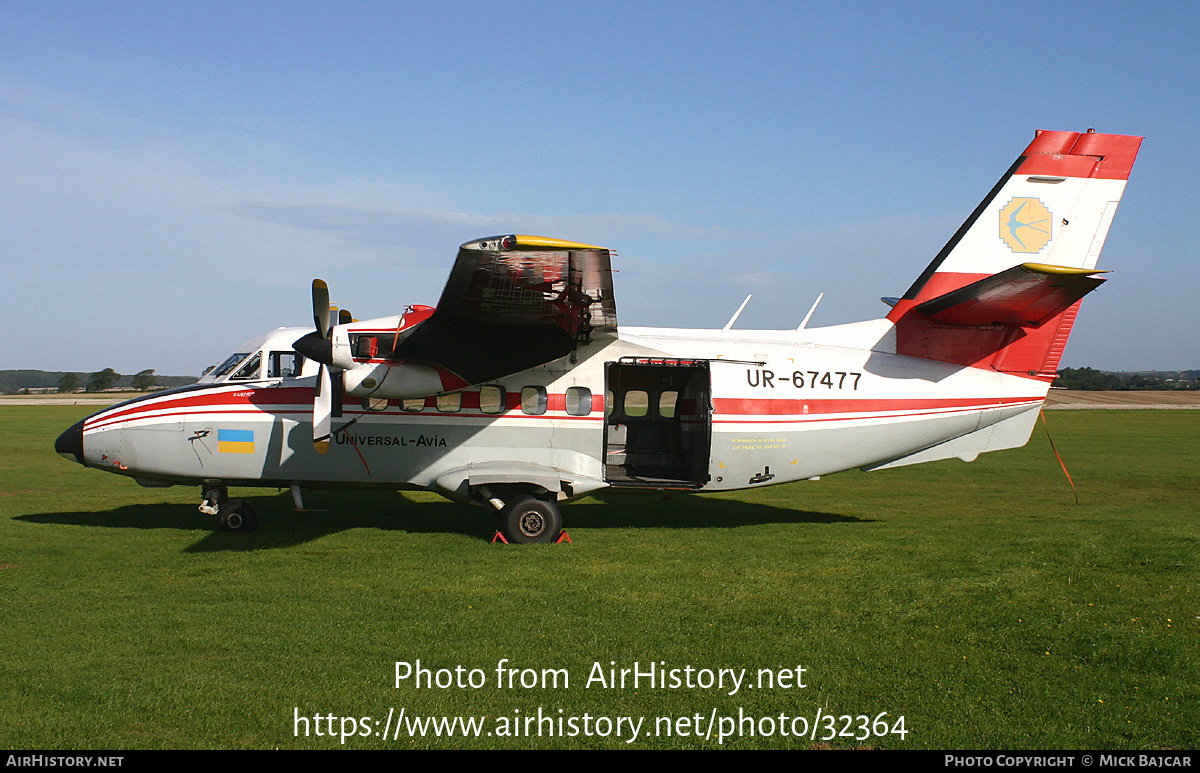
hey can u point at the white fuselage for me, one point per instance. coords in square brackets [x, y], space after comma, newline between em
[781, 406]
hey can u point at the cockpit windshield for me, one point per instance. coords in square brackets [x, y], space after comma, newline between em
[249, 370]
[228, 365]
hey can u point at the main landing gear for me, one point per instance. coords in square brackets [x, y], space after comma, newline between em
[233, 515]
[525, 518]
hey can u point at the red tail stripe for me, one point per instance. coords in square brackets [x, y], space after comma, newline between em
[1071, 154]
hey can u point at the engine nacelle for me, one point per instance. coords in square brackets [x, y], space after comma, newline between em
[399, 381]
[342, 355]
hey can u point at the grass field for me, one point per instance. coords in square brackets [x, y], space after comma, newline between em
[977, 601]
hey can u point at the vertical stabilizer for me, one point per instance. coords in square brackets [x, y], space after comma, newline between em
[1052, 208]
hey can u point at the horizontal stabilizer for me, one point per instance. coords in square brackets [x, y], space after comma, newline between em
[1028, 295]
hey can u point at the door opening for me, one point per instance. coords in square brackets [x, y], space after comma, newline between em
[657, 423]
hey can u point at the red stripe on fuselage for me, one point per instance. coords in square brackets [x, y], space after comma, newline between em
[819, 409]
[211, 399]
[796, 407]
[819, 418]
[308, 413]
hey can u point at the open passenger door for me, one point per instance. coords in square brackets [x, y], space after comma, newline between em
[657, 423]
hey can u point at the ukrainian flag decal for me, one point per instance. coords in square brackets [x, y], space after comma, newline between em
[235, 441]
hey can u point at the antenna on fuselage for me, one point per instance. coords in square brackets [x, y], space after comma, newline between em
[733, 319]
[808, 316]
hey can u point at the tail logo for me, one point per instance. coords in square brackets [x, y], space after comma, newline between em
[1025, 225]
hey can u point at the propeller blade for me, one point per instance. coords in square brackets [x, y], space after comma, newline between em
[318, 345]
[323, 410]
[344, 317]
[320, 298]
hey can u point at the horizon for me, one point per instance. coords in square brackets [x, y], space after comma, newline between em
[156, 374]
[175, 176]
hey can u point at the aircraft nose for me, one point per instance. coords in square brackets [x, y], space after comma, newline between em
[70, 443]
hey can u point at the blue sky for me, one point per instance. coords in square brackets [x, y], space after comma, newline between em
[172, 176]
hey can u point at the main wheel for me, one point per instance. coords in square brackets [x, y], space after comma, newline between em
[527, 519]
[237, 516]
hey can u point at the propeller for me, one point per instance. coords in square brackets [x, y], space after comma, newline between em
[318, 346]
[320, 299]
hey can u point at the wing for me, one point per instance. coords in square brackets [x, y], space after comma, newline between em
[512, 303]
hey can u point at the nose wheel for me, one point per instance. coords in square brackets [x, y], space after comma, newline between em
[233, 515]
[237, 516]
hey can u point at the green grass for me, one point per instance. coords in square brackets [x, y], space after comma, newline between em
[978, 601]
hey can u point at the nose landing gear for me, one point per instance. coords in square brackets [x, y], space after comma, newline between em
[233, 515]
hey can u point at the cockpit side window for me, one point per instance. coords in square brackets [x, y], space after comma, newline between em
[229, 364]
[249, 370]
[372, 346]
[284, 365]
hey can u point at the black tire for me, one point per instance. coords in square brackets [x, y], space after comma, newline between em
[237, 516]
[526, 519]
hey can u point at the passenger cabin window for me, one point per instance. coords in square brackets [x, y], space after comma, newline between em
[579, 401]
[450, 403]
[533, 400]
[229, 364]
[375, 403]
[284, 365]
[249, 370]
[413, 404]
[491, 399]
[637, 403]
[666, 404]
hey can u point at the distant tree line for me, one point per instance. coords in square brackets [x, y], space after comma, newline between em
[68, 383]
[101, 381]
[20, 381]
[104, 380]
[1093, 380]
